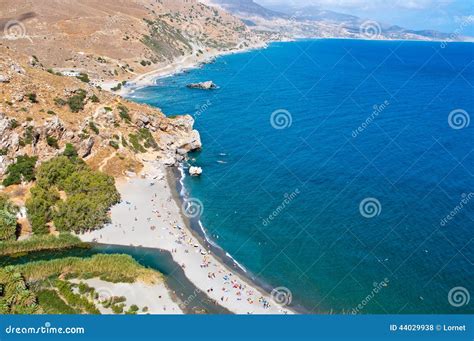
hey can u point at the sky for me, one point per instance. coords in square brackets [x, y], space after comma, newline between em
[442, 15]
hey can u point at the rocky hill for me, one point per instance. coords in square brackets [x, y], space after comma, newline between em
[117, 39]
[41, 112]
[291, 21]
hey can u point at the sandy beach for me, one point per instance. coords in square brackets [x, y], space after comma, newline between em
[150, 298]
[149, 216]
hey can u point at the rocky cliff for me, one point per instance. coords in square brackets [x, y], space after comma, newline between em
[41, 112]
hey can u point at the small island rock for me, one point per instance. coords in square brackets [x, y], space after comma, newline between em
[195, 171]
[208, 85]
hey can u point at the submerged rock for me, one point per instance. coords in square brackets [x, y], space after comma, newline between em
[208, 85]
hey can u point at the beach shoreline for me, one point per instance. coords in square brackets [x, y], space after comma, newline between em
[195, 226]
[150, 216]
[187, 62]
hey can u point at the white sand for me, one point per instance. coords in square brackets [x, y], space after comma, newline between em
[153, 296]
[148, 216]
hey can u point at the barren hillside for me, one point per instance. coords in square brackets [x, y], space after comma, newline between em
[116, 39]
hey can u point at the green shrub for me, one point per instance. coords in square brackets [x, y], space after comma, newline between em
[40, 208]
[90, 194]
[117, 87]
[70, 151]
[50, 112]
[51, 303]
[135, 142]
[84, 77]
[8, 221]
[76, 102]
[93, 127]
[28, 136]
[13, 124]
[123, 113]
[114, 144]
[15, 296]
[75, 300]
[149, 141]
[52, 142]
[60, 102]
[95, 99]
[23, 169]
[32, 98]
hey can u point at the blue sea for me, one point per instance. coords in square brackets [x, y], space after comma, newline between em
[342, 170]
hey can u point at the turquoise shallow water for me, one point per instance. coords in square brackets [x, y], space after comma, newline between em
[363, 122]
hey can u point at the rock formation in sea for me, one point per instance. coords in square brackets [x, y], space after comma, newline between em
[195, 171]
[208, 85]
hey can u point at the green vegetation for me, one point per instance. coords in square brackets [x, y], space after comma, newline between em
[60, 102]
[52, 142]
[41, 208]
[3, 151]
[22, 170]
[8, 221]
[50, 112]
[149, 141]
[84, 77]
[39, 243]
[15, 296]
[51, 303]
[13, 124]
[111, 268]
[117, 87]
[133, 309]
[93, 127]
[89, 195]
[94, 99]
[70, 151]
[28, 136]
[114, 144]
[142, 141]
[135, 144]
[32, 97]
[123, 113]
[76, 301]
[52, 293]
[77, 101]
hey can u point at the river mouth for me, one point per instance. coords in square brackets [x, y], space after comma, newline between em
[190, 299]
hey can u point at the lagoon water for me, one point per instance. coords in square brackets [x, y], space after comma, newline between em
[354, 122]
